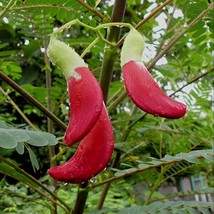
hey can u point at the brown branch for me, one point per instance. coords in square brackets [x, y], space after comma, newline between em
[32, 100]
[193, 80]
[179, 35]
[101, 16]
[154, 12]
[141, 23]
[7, 8]
[137, 171]
[44, 6]
[36, 181]
[18, 109]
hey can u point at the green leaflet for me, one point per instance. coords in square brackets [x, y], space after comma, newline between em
[33, 159]
[10, 137]
[8, 170]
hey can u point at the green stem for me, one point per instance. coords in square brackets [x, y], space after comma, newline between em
[32, 100]
[107, 70]
[156, 185]
[89, 47]
[109, 54]
[96, 29]
[115, 24]
[184, 168]
[48, 100]
[81, 198]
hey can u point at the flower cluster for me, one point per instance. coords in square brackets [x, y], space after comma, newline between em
[89, 121]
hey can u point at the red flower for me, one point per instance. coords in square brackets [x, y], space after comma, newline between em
[139, 84]
[92, 155]
[88, 122]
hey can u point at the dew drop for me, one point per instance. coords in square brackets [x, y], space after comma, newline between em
[77, 77]
[77, 102]
[97, 109]
[162, 112]
[79, 95]
[78, 80]
[158, 108]
[156, 85]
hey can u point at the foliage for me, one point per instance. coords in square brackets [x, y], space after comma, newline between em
[150, 151]
[171, 207]
[16, 137]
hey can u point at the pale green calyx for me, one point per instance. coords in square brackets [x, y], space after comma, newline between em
[133, 47]
[64, 57]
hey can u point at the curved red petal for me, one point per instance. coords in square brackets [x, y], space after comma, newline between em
[86, 100]
[92, 155]
[146, 93]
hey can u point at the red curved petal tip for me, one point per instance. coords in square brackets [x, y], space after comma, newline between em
[146, 93]
[92, 155]
[86, 100]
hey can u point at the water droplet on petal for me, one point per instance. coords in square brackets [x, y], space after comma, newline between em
[79, 95]
[162, 112]
[78, 80]
[77, 103]
[156, 85]
[158, 108]
[97, 109]
[77, 77]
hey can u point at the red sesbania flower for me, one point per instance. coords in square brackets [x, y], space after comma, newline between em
[85, 95]
[92, 155]
[140, 85]
[89, 121]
